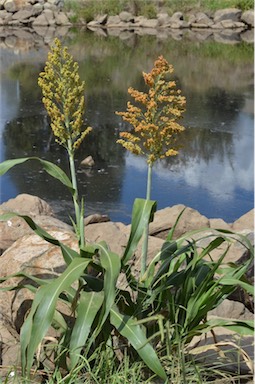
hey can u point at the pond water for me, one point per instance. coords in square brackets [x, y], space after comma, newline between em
[213, 172]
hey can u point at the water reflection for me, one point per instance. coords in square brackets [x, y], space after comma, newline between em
[214, 171]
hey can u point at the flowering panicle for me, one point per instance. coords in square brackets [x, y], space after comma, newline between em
[63, 97]
[155, 123]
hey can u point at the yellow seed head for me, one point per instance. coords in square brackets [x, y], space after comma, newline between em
[155, 123]
[63, 96]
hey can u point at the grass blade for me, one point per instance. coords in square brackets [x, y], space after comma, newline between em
[128, 328]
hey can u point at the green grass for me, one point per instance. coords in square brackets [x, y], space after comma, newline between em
[88, 9]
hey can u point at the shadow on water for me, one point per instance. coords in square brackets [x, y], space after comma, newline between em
[214, 171]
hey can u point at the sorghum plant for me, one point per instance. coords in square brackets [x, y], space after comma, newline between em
[155, 123]
[63, 98]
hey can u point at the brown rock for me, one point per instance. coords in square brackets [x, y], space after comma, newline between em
[26, 204]
[108, 232]
[32, 255]
[245, 222]
[165, 219]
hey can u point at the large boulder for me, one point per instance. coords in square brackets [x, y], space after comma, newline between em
[31, 206]
[246, 221]
[26, 204]
[34, 256]
[165, 219]
[233, 14]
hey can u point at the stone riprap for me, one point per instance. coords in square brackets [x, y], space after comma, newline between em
[51, 12]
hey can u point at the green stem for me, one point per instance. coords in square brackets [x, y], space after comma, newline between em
[146, 229]
[79, 219]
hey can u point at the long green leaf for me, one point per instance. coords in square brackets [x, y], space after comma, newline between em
[110, 261]
[142, 214]
[128, 328]
[88, 306]
[42, 311]
[50, 168]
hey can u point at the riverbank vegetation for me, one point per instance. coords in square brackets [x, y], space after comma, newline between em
[88, 9]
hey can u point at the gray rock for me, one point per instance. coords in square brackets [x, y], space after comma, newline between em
[101, 19]
[232, 310]
[248, 17]
[247, 36]
[177, 16]
[229, 13]
[37, 9]
[163, 19]
[229, 24]
[203, 18]
[126, 17]
[49, 15]
[149, 23]
[61, 19]
[22, 15]
[227, 36]
[10, 6]
[113, 20]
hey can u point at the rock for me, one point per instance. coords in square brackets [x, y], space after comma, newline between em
[245, 222]
[227, 36]
[49, 15]
[96, 218]
[109, 232]
[164, 220]
[101, 19]
[177, 16]
[88, 161]
[203, 18]
[113, 20]
[233, 14]
[35, 256]
[26, 204]
[247, 36]
[61, 18]
[9, 346]
[163, 19]
[22, 15]
[16, 228]
[41, 20]
[33, 207]
[10, 6]
[126, 17]
[230, 24]
[232, 310]
[232, 350]
[248, 17]
[219, 224]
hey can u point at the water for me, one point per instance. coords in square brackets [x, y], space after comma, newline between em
[214, 171]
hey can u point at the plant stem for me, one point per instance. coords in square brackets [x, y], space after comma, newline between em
[146, 229]
[79, 220]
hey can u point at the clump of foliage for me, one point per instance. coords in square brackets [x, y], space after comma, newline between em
[157, 314]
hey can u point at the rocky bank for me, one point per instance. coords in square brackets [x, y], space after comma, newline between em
[229, 25]
[23, 250]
